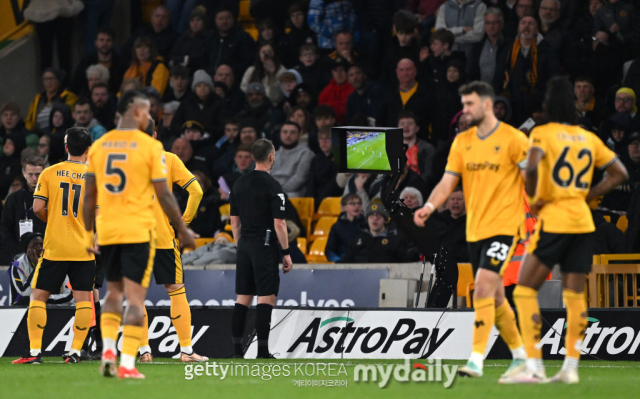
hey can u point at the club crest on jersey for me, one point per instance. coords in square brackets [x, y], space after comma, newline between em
[496, 149]
[385, 241]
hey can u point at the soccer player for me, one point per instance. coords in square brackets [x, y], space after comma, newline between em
[489, 158]
[57, 201]
[559, 171]
[126, 169]
[167, 266]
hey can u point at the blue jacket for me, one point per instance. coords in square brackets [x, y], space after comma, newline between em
[327, 20]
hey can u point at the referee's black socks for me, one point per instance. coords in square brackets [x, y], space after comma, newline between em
[238, 321]
[263, 326]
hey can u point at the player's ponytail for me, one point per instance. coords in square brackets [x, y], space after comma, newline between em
[559, 102]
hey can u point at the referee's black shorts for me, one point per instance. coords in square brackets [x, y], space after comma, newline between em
[257, 271]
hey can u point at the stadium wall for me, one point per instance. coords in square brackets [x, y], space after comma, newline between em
[347, 333]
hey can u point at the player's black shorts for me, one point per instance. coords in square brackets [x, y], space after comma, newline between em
[167, 267]
[133, 261]
[99, 281]
[574, 252]
[257, 270]
[50, 275]
[493, 253]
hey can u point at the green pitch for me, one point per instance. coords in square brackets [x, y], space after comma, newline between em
[368, 154]
[166, 379]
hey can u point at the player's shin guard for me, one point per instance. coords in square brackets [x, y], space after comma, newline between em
[238, 322]
[576, 325]
[506, 324]
[263, 327]
[84, 314]
[526, 300]
[130, 342]
[181, 318]
[110, 324]
[144, 338]
[36, 321]
[484, 321]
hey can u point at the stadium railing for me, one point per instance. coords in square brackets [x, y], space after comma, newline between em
[614, 284]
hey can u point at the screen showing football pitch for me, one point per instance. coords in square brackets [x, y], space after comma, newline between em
[367, 151]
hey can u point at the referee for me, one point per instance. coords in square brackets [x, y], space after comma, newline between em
[257, 220]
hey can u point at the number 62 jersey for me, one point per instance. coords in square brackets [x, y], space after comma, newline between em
[126, 163]
[569, 156]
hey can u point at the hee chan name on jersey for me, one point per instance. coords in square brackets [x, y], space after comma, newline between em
[66, 173]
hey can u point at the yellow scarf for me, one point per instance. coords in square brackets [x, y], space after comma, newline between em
[532, 75]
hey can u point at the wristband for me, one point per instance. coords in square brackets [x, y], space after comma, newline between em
[531, 200]
[286, 252]
[430, 206]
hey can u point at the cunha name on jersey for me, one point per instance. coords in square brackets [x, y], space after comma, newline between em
[119, 144]
[73, 175]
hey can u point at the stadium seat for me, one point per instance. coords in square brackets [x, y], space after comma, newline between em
[623, 223]
[246, 19]
[304, 206]
[323, 227]
[200, 242]
[225, 212]
[316, 252]
[466, 283]
[329, 206]
[302, 245]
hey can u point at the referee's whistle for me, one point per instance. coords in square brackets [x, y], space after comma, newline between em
[267, 237]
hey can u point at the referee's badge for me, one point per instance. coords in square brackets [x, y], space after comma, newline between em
[385, 241]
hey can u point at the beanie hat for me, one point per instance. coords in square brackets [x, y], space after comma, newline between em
[201, 76]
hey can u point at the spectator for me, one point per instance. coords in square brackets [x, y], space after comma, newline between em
[265, 69]
[293, 163]
[338, 90]
[11, 123]
[299, 33]
[44, 146]
[324, 115]
[615, 131]
[17, 215]
[414, 97]
[367, 186]
[490, 51]
[190, 50]
[103, 105]
[367, 97]
[344, 47]
[608, 238]
[518, 10]
[502, 109]
[83, 117]
[323, 170]
[433, 60]
[302, 117]
[349, 224]
[550, 27]
[104, 55]
[54, 92]
[465, 19]
[447, 91]
[527, 69]
[235, 98]
[419, 153]
[230, 44]
[10, 166]
[200, 140]
[183, 149]
[225, 148]
[242, 163]
[207, 220]
[202, 105]
[260, 108]
[412, 198]
[586, 101]
[155, 108]
[405, 44]
[619, 199]
[328, 16]
[164, 127]
[614, 25]
[249, 133]
[147, 66]
[288, 79]
[311, 69]
[450, 226]
[160, 32]
[379, 243]
[579, 53]
[96, 74]
[60, 120]
[625, 102]
[305, 96]
[178, 84]
[426, 11]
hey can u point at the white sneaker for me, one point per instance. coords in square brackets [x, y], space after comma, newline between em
[565, 376]
[470, 370]
[516, 366]
[524, 375]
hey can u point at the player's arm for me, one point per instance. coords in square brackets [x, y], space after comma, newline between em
[438, 197]
[39, 208]
[195, 196]
[615, 175]
[283, 237]
[170, 207]
[531, 171]
[88, 210]
[235, 228]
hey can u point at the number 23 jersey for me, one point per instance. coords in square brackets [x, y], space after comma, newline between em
[125, 164]
[565, 171]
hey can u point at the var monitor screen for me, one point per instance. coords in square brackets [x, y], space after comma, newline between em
[370, 149]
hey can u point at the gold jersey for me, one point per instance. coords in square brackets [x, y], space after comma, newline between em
[61, 186]
[491, 180]
[565, 171]
[125, 164]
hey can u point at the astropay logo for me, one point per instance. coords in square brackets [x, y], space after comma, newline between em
[615, 340]
[341, 335]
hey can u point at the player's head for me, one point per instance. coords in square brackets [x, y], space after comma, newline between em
[559, 103]
[263, 153]
[477, 100]
[134, 107]
[77, 141]
[151, 128]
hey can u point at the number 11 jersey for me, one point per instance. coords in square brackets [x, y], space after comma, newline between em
[565, 171]
[61, 186]
[125, 164]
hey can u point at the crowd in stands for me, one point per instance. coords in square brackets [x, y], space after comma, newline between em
[216, 85]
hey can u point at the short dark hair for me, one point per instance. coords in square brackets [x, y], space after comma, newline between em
[443, 36]
[107, 30]
[291, 123]
[351, 196]
[403, 24]
[243, 148]
[308, 47]
[584, 78]
[100, 84]
[404, 114]
[232, 121]
[559, 102]
[127, 98]
[324, 111]
[179, 70]
[482, 89]
[343, 32]
[81, 101]
[13, 107]
[78, 140]
[260, 150]
[34, 160]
